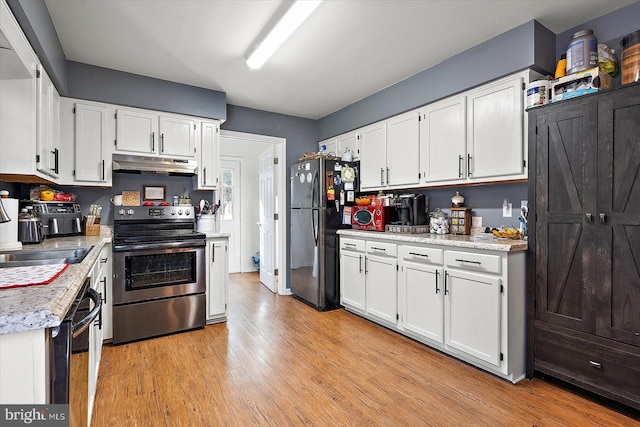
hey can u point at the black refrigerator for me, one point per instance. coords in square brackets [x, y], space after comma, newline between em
[322, 194]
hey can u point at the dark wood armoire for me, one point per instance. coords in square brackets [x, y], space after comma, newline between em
[584, 243]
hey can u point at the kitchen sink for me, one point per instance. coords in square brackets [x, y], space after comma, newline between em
[43, 257]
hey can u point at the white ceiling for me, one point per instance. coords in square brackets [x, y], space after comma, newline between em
[345, 51]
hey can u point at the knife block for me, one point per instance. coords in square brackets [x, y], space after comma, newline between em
[92, 230]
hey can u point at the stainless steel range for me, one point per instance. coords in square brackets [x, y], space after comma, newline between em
[159, 272]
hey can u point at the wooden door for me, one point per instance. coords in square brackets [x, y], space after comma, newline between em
[619, 218]
[565, 203]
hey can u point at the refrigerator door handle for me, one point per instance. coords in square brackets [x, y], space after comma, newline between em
[314, 229]
[315, 189]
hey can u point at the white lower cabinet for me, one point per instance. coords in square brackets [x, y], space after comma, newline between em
[105, 288]
[217, 259]
[469, 303]
[421, 292]
[352, 278]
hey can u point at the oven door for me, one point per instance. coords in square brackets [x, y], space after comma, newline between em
[144, 272]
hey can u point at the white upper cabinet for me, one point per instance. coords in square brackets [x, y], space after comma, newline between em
[330, 147]
[145, 132]
[177, 136]
[403, 147]
[92, 144]
[495, 129]
[348, 140]
[443, 146]
[136, 131]
[48, 129]
[208, 142]
[373, 156]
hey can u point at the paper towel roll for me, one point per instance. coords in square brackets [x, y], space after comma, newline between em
[9, 230]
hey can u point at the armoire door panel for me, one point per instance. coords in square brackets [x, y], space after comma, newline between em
[619, 219]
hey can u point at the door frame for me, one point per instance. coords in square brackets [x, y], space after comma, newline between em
[240, 162]
[280, 144]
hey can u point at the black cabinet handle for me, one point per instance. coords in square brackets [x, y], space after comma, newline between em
[55, 153]
[445, 283]
[460, 166]
[469, 164]
[213, 254]
[387, 176]
[365, 265]
[204, 175]
[162, 142]
[153, 141]
[417, 254]
[437, 274]
[104, 288]
[470, 262]
[102, 169]
[378, 249]
[360, 264]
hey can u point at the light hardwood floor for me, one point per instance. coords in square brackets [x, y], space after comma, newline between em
[278, 362]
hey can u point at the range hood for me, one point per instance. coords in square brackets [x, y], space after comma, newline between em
[153, 165]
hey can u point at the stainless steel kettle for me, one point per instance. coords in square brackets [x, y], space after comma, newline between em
[29, 228]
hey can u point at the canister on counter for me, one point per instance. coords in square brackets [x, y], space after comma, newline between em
[538, 93]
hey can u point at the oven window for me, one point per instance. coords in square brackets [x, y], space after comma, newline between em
[154, 270]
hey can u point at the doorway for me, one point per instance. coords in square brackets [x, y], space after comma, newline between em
[231, 207]
[248, 149]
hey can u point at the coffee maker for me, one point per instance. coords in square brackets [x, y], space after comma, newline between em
[412, 209]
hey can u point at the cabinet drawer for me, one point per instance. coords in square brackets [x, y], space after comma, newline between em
[473, 261]
[610, 371]
[351, 244]
[382, 248]
[422, 255]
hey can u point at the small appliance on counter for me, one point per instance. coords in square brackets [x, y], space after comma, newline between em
[29, 227]
[412, 209]
[9, 225]
[372, 217]
[58, 218]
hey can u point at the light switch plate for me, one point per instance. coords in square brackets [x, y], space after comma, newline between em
[507, 210]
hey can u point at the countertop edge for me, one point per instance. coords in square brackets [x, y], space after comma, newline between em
[46, 305]
[459, 241]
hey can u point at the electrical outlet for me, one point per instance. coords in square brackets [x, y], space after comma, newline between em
[507, 210]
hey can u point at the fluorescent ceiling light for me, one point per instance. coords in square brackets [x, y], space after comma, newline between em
[289, 22]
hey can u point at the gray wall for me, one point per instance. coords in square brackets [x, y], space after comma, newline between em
[36, 24]
[529, 45]
[117, 87]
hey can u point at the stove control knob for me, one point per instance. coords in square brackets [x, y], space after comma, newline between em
[187, 211]
[121, 212]
[179, 211]
[129, 211]
[173, 211]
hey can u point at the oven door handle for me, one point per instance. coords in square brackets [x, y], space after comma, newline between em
[82, 325]
[129, 247]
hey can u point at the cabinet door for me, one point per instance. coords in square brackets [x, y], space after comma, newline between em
[136, 132]
[217, 289]
[105, 288]
[373, 156]
[382, 287]
[618, 231]
[208, 176]
[403, 149]
[472, 314]
[177, 136]
[54, 137]
[349, 140]
[443, 141]
[352, 281]
[44, 98]
[422, 300]
[90, 142]
[565, 234]
[331, 147]
[495, 130]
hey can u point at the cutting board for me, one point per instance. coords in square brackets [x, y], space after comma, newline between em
[14, 277]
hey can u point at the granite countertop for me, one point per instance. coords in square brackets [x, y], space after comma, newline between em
[43, 306]
[486, 242]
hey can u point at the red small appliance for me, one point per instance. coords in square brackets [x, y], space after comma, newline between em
[372, 218]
